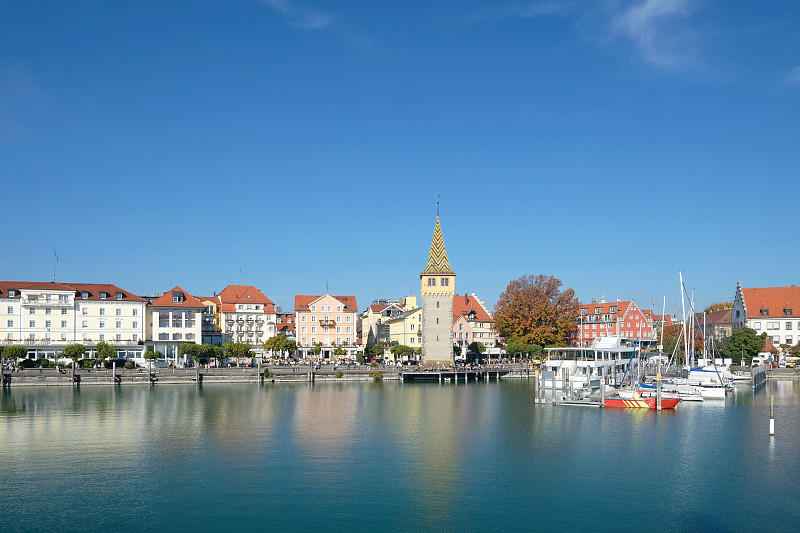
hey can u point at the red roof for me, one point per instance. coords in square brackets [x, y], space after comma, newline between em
[302, 301]
[463, 305]
[605, 307]
[768, 346]
[773, 300]
[232, 295]
[94, 290]
[31, 285]
[376, 308]
[166, 299]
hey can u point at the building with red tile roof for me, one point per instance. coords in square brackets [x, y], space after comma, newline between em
[285, 325]
[246, 315]
[174, 318]
[774, 310]
[472, 322]
[328, 321]
[47, 316]
[614, 319]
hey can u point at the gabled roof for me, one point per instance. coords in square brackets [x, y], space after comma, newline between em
[768, 346]
[94, 290]
[166, 299]
[463, 305]
[774, 300]
[31, 285]
[233, 295]
[377, 308]
[723, 316]
[302, 302]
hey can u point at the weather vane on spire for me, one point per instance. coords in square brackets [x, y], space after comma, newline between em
[437, 205]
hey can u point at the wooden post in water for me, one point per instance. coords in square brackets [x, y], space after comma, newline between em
[603, 388]
[771, 417]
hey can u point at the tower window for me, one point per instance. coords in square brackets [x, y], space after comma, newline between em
[445, 282]
[431, 282]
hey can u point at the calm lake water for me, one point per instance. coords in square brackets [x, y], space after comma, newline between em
[391, 456]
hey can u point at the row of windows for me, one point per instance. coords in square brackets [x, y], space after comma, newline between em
[772, 325]
[64, 311]
[445, 282]
[304, 329]
[348, 318]
[304, 341]
[322, 308]
[48, 337]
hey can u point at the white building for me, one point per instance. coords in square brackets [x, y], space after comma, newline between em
[774, 310]
[46, 316]
[173, 319]
[246, 315]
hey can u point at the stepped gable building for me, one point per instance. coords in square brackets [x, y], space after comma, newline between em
[246, 315]
[327, 320]
[47, 316]
[774, 310]
[174, 318]
[438, 284]
[472, 322]
[614, 319]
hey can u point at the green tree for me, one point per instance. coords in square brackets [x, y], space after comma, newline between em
[339, 351]
[237, 350]
[74, 351]
[401, 350]
[105, 351]
[744, 343]
[15, 352]
[189, 349]
[456, 351]
[536, 310]
[151, 355]
[476, 347]
[375, 350]
[316, 349]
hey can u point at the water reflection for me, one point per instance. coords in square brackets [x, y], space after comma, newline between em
[477, 456]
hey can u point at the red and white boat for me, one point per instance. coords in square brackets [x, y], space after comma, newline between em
[641, 400]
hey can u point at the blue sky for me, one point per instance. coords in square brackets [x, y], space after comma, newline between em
[608, 143]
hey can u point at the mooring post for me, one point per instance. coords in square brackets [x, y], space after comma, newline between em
[603, 388]
[771, 417]
[553, 384]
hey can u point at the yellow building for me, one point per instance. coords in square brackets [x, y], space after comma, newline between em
[406, 329]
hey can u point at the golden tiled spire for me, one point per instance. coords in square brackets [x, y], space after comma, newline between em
[437, 257]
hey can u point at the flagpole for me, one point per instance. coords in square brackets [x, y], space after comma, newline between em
[55, 258]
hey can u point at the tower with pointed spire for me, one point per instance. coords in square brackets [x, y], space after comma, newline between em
[438, 285]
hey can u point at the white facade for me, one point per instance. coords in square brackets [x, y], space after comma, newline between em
[48, 316]
[771, 310]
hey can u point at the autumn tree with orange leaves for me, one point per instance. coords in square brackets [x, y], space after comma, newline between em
[534, 310]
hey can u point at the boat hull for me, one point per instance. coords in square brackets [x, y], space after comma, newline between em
[642, 403]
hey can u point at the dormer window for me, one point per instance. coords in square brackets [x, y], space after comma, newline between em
[103, 295]
[787, 312]
[84, 295]
[765, 312]
[12, 292]
[119, 295]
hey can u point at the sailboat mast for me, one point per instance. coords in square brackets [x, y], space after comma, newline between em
[683, 320]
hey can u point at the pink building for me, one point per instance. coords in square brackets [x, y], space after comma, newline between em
[329, 321]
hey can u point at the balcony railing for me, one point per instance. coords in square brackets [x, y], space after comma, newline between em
[328, 323]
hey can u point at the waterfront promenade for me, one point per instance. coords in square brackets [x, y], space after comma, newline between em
[284, 373]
